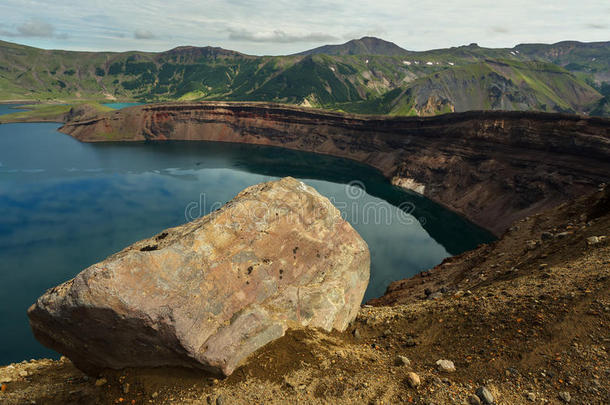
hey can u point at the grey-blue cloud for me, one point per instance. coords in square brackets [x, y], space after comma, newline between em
[143, 34]
[279, 36]
[598, 26]
[34, 28]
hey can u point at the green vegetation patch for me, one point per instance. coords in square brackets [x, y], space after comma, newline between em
[49, 112]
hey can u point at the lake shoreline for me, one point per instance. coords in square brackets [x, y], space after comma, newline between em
[438, 313]
[64, 191]
[294, 118]
[503, 151]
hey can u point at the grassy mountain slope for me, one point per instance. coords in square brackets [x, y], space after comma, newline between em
[494, 85]
[367, 75]
[586, 59]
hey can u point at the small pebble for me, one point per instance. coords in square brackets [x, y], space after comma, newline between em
[100, 381]
[474, 400]
[565, 396]
[403, 361]
[413, 380]
[435, 296]
[445, 365]
[485, 395]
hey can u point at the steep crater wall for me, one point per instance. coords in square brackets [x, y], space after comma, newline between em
[494, 167]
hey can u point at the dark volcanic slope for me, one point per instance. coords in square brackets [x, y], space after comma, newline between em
[494, 167]
[362, 46]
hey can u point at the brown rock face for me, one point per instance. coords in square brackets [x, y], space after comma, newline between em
[209, 293]
[495, 167]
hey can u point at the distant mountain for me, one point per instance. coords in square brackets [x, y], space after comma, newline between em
[493, 85]
[362, 46]
[193, 54]
[582, 58]
[368, 75]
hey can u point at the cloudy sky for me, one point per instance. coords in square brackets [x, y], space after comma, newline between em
[288, 26]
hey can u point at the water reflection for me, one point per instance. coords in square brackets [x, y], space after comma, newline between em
[66, 205]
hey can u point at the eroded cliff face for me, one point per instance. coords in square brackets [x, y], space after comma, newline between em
[493, 167]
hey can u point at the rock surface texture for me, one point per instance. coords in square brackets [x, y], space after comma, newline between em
[209, 293]
[495, 167]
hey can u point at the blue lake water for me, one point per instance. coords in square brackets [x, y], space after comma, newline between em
[8, 109]
[118, 106]
[65, 205]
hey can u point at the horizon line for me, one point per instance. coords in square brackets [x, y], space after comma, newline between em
[306, 50]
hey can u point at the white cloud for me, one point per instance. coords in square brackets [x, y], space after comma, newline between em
[34, 28]
[290, 26]
[278, 36]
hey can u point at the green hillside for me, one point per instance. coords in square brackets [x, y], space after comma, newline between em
[367, 76]
[494, 85]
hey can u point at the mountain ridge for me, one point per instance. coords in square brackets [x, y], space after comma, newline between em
[565, 77]
[363, 46]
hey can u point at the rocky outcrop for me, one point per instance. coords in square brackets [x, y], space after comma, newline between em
[494, 167]
[209, 293]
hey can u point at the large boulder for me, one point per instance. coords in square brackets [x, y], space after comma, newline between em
[209, 293]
